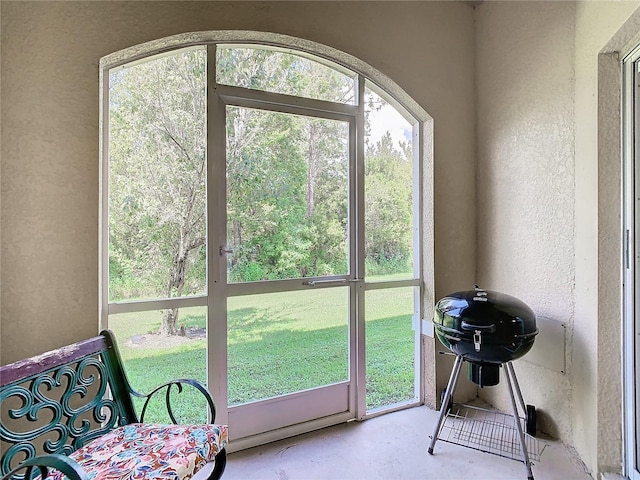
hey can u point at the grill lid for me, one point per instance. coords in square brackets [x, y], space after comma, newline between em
[485, 326]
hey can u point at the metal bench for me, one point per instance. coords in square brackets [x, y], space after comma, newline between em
[70, 412]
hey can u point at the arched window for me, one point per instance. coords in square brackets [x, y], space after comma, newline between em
[261, 228]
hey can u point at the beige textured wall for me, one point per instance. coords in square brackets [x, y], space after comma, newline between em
[525, 114]
[549, 200]
[49, 75]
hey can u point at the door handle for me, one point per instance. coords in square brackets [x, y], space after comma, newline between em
[326, 283]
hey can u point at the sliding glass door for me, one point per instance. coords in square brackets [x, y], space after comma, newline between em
[631, 327]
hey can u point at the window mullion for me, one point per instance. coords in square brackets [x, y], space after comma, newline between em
[216, 240]
[359, 254]
[104, 205]
[243, 97]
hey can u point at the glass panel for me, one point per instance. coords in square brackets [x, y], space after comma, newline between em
[389, 196]
[275, 71]
[390, 344]
[287, 195]
[281, 343]
[157, 178]
[151, 359]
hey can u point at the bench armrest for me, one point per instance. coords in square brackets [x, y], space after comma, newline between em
[44, 463]
[178, 384]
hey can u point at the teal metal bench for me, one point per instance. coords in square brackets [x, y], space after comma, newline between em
[70, 413]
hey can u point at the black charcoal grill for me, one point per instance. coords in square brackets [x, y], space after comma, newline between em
[488, 330]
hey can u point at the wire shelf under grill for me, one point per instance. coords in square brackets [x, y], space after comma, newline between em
[488, 431]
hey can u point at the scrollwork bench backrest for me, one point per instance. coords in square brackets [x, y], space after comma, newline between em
[58, 401]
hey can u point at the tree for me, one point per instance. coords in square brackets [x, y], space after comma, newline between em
[287, 183]
[389, 205]
[158, 175]
[287, 178]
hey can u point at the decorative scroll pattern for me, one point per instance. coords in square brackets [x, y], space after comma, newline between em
[168, 387]
[59, 410]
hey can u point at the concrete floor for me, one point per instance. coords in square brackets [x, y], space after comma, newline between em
[392, 446]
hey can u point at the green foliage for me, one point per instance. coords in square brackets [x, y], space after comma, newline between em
[157, 171]
[248, 272]
[388, 216]
[286, 210]
[122, 282]
[280, 72]
[387, 266]
[287, 177]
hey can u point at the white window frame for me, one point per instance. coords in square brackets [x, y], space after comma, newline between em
[423, 179]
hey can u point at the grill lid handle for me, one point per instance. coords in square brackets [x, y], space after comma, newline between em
[477, 340]
[483, 328]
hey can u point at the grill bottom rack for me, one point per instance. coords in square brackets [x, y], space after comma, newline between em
[488, 431]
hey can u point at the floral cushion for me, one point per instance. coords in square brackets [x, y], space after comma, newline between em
[139, 451]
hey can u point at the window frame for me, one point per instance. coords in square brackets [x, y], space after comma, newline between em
[223, 95]
[631, 286]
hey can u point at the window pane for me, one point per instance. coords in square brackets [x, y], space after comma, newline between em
[157, 178]
[151, 359]
[287, 195]
[275, 71]
[390, 344]
[280, 343]
[389, 196]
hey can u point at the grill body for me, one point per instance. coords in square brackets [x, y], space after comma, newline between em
[485, 327]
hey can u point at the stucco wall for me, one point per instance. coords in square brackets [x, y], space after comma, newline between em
[525, 84]
[549, 201]
[49, 75]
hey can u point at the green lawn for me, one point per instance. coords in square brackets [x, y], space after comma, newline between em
[277, 343]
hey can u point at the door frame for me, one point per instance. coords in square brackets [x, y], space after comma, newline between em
[337, 401]
[631, 260]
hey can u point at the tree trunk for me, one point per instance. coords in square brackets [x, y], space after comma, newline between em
[176, 284]
[312, 171]
[169, 322]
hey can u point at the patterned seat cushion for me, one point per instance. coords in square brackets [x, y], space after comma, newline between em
[143, 451]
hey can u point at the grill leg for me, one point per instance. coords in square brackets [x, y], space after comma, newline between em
[516, 385]
[448, 395]
[516, 418]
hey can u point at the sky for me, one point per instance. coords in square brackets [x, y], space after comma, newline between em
[388, 119]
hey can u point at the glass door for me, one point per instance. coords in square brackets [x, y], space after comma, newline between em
[289, 277]
[634, 324]
[631, 330]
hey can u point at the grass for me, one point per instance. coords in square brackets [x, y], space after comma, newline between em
[278, 343]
